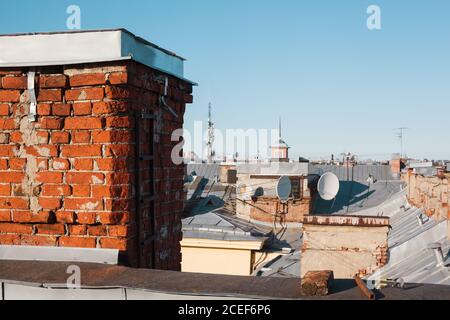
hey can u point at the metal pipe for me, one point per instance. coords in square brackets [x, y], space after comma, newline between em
[362, 286]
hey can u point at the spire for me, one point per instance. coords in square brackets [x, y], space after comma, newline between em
[279, 125]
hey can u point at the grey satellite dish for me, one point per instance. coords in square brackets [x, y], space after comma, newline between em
[328, 186]
[284, 189]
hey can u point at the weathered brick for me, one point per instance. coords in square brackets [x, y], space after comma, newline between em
[78, 230]
[120, 204]
[4, 109]
[46, 150]
[15, 228]
[4, 164]
[12, 177]
[81, 150]
[9, 95]
[86, 178]
[30, 217]
[5, 216]
[52, 229]
[110, 107]
[85, 204]
[14, 82]
[49, 95]
[60, 164]
[97, 230]
[111, 164]
[8, 124]
[50, 203]
[85, 94]
[118, 178]
[83, 164]
[87, 79]
[81, 190]
[51, 123]
[5, 189]
[118, 231]
[17, 163]
[115, 136]
[60, 137]
[119, 150]
[111, 191]
[61, 109]
[118, 78]
[9, 239]
[112, 218]
[119, 122]
[114, 243]
[49, 190]
[77, 242]
[52, 81]
[82, 108]
[44, 109]
[16, 137]
[81, 136]
[116, 92]
[65, 217]
[83, 123]
[49, 177]
[7, 151]
[39, 240]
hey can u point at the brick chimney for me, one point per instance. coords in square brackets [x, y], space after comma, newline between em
[94, 169]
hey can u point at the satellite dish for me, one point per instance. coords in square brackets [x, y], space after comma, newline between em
[284, 189]
[328, 186]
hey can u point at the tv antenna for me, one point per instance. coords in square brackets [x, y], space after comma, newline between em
[400, 135]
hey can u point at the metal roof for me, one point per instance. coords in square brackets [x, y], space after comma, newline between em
[357, 198]
[219, 225]
[87, 46]
[274, 168]
[411, 257]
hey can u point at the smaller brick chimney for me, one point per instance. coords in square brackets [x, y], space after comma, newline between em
[347, 245]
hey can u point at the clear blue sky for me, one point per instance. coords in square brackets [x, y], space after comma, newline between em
[338, 86]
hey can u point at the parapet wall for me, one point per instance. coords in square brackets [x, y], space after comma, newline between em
[429, 193]
[347, 245]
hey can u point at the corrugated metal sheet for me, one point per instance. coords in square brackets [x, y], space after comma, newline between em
[358, 172]
[410, 256]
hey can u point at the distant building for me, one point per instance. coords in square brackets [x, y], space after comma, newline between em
[280, 149]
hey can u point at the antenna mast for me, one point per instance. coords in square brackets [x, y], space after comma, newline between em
[400, 135]
[210, 142]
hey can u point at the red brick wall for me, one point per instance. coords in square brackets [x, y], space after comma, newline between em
[265, 208]
[68, 179]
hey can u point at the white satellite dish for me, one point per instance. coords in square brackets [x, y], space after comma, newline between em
[328, 186]
[284, 189]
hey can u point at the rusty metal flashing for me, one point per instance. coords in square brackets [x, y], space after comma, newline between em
[357, 221]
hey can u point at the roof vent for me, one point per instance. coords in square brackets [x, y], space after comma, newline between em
[437, 248]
